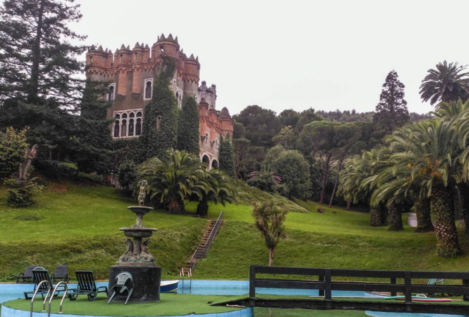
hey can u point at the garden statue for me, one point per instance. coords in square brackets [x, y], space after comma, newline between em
[142, 193]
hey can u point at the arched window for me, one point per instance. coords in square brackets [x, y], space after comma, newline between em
[205, 159]
[158, 122]
[135, 56]
[120, 58]
[215, 164]
[116, 129]
[131, 127]
[148, 89]
[124, 128]
[138, 127]
[91, 60]
[111, 93]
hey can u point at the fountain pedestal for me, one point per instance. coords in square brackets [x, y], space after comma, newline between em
[139, 262]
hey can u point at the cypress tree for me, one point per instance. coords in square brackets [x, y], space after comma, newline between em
[226, 156]
[94, 139]
[161, 115]
[188, 127]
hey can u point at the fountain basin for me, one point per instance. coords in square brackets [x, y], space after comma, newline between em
[143, 210]
[138, 232]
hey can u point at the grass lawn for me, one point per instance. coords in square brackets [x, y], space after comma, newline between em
[335, 239]
[170, 304]
[78, 225]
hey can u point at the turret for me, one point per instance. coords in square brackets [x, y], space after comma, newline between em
[146, 54]
[203, 112]
[137, 56]
[226, 122]
[122, 56]
[166, 46]
[190, 75]
[96, 57]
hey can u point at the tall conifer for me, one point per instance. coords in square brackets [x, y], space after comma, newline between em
[188, 127]
[226, 157]
[160, 123]
[391, 111]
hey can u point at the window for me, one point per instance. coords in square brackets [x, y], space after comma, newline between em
[135, 56]
[111, 93]
[127, 123]
[116, 125]
[124, 128]
[120, 58]
[91, 60]
[148, 89]
[158, 123]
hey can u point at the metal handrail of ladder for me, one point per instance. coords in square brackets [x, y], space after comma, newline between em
[35, 293]
[63, 297]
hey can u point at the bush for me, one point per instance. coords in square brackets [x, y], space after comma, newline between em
[127, 174]
[22, 192]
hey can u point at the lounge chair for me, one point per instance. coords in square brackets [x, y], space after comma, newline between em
[60, 274]
[41, 274]
[86, 285]
[434, 281]
[27, 276]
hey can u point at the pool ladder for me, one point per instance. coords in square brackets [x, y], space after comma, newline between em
[186, 272]
[49, 287]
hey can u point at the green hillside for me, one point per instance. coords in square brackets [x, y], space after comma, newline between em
[78, 225]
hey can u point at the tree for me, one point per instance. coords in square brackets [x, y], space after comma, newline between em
[217, 188]
[285, 138]
[293, 168]
[13, 145]
[37, 57]
[188, 127]
[429, 152]
[289, 117]
[173, 178]
[261, 125]
[306, 117]
[269, 219]
[160, 124]
[448, 82]
[93, 140]
[226, 157]
[391, 111]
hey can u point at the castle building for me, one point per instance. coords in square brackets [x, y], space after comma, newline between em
[130, 73]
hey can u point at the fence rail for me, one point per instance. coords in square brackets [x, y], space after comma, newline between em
[322, 280]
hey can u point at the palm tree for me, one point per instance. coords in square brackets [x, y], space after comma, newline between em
[173, 179]
[269, 219]
[448, 82]
[218, 188]
[426, 154]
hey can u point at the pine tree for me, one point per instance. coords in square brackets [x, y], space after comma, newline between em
[94, 140]
[160, 123]
[37, 58]
[391, 111]
[226, 157]
[188, 127]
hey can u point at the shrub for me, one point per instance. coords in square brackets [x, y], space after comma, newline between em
[127, 174]
[22, 192]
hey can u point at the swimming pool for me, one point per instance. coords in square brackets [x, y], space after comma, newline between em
[209, 287]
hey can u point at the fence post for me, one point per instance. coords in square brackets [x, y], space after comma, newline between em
[321, 291]
[465, 283]
[408, 288]
[328, 285]
[393, 281]
[252, 283]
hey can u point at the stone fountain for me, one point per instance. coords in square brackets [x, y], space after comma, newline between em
[137, 260]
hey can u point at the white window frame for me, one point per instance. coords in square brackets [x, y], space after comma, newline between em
[128, 112]
[115, 91]
[145, 81]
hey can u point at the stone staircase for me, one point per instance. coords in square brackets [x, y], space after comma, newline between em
[203, 247]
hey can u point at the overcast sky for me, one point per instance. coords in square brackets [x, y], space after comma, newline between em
[294, 54]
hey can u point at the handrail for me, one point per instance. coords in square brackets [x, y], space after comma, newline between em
[214, 231]
[63, 297]
[35, 293]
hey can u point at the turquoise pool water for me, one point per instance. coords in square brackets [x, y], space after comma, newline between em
[206, 287]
